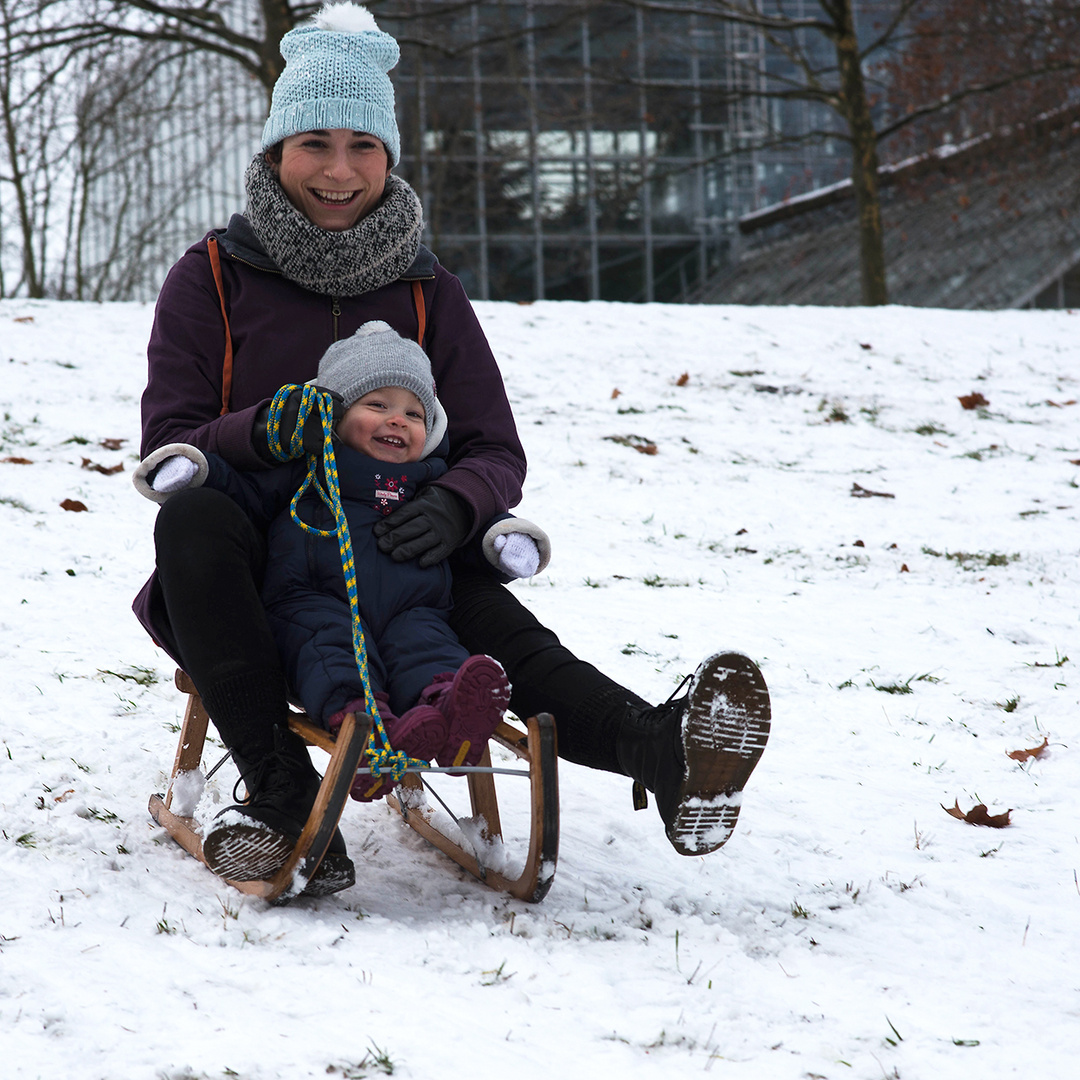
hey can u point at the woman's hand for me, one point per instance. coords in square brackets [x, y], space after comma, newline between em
[429, 527]
[169, 469]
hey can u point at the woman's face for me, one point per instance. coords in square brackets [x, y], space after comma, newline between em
[334, 178]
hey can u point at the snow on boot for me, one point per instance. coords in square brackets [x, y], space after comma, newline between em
[697, 753]
[473, 700]
[250, 841]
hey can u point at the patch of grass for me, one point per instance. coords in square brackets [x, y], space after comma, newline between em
[1059, 661]
[78, 440]
[930, 429]
[1008, 705]
[835, 412]
[101, 815]
[798, 911]
[15, 504]
[496, 975]
[143, 676]
[893, 688]
[27, 840]
[973, 560]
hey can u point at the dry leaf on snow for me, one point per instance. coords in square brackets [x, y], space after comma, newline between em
[74, 505]
[1034, 752]
[17, 461]
[859, 492]
[638, 442]
[973, 401]
[93, 466]
[683, 379]
[978, 815]
[112, 444]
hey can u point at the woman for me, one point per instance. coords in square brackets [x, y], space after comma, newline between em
[330, 240]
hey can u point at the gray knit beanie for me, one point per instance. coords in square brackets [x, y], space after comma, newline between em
[336, 77]
[376, 355]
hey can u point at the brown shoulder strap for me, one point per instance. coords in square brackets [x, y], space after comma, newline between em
[421, 311]
[226, 366]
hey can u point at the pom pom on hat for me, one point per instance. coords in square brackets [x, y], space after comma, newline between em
[336, 77]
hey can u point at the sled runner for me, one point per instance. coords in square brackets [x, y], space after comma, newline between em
[535, 747]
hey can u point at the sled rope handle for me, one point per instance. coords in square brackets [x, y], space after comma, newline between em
[380, 753]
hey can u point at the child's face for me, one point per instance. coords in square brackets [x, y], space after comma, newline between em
[386, 424]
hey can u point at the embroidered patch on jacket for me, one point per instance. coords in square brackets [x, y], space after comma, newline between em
[388, 492]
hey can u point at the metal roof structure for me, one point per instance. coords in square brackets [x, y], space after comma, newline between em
[995, 224]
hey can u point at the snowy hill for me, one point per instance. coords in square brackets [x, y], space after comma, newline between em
[903, 568]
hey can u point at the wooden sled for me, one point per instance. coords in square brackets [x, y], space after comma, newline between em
[535, 747]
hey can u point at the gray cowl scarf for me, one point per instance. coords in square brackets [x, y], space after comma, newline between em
[377, 250]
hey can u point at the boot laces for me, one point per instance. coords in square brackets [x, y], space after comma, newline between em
[674, 703]
[272, 777]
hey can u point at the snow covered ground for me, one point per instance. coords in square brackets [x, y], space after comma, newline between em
[911, 639]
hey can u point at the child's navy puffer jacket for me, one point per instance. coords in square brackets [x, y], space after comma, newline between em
[403, 607]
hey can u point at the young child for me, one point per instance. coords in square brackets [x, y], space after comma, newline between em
[435, 700]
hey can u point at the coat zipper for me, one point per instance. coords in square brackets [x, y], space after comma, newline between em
[335, 310]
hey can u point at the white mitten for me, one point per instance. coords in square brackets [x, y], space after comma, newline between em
[518, 554]
[174, 474]
[170, 469]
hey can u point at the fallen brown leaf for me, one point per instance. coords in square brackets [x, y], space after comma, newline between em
[638, 442]
[973, 401]
[112, 444]
[1034, 752]
[24, 318]
[865, 345]
[859, 492]
[74, 505]
[1060, 404]
[615, 393]
[93, 466]
[17, 461]
[977, 815]
[683, 379]
[904, 568]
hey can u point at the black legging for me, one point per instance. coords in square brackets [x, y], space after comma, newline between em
[211, 560]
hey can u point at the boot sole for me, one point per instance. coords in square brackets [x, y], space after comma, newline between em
[480, 689]
[247, 851]
[725, 728]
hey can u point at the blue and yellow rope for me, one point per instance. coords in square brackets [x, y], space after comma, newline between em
[380, 754]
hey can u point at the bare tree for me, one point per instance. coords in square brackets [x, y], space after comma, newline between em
[852, 61]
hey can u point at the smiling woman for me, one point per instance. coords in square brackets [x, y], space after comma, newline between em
[330, 241]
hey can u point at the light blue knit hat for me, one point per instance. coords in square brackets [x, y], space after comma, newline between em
[336, 77]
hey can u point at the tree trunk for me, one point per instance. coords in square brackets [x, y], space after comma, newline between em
[864, 158]
[278, 20]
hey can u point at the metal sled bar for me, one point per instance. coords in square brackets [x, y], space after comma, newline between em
[537, 746]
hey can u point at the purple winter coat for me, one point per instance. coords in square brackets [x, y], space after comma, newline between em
[281, 330]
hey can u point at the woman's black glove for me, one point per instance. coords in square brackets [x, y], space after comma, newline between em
[431, 526]
[313, 432]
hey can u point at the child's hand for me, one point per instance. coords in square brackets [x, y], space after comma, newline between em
[518, 554]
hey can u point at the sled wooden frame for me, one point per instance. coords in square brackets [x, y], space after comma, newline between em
[535, 746]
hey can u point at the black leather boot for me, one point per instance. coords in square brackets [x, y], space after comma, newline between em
[696, 753]
[251, 840]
